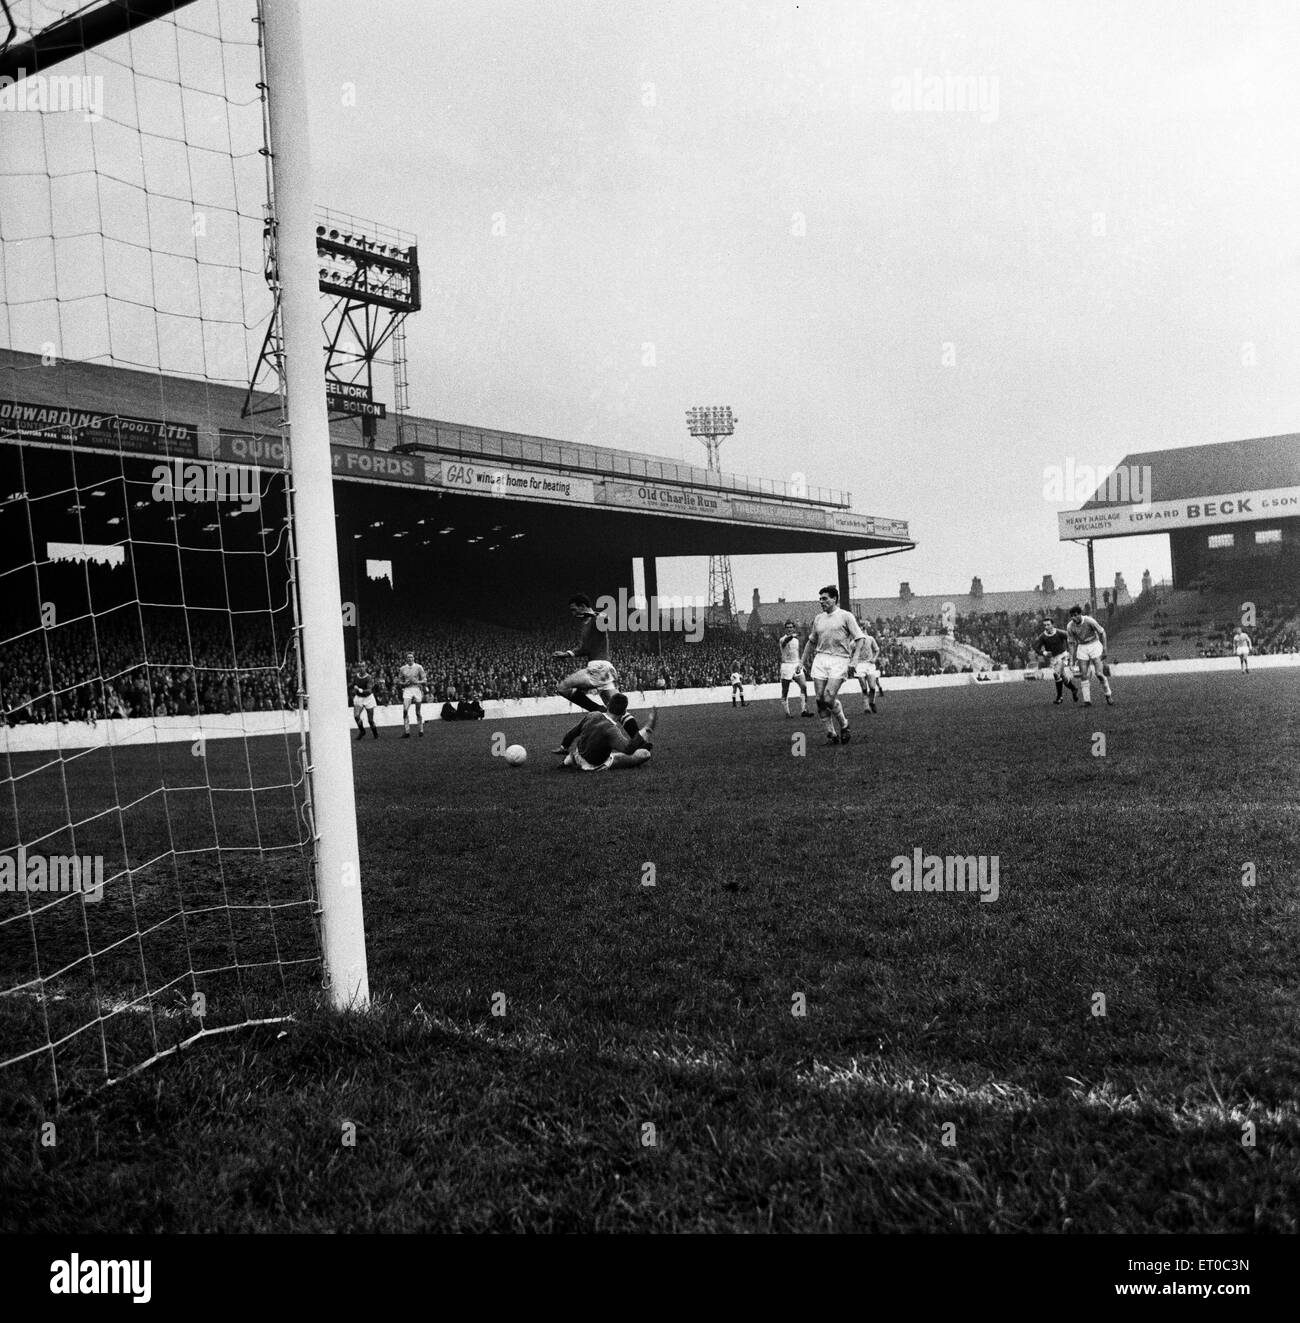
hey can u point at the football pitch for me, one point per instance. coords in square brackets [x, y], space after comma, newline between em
[689, 996]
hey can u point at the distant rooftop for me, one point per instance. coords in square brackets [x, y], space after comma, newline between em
[932, 604]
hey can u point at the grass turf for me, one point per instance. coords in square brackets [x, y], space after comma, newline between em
[949, 1072]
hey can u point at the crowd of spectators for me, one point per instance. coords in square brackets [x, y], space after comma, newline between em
[1006, 638]
[140, 663]
[146, 664]
[487, 661]
[475, 659]
[1276, 629]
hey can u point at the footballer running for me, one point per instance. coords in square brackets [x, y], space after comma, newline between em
[413, 681]
[792, 670]
[834, 644]
[1054, 645]
[1088, 648]
[598, 675]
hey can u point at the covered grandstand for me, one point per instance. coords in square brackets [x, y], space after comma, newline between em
[1232, 514]
[458, 510]
[453, 524]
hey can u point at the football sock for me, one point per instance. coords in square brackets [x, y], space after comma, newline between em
[840, 718]
[827, 716]
[1059, 686]
[1086, 686]
[583, 701]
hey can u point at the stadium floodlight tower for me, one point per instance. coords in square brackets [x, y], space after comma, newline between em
[710, 423]
[371, 275]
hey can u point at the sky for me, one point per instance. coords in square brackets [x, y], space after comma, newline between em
[624, 210]
[926, 252]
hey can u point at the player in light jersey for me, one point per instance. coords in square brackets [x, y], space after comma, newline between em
[1241, 646]
[610, 740]
[363, 699]
[1088, 648]
[868, 672]
[598, 675]
[833, 646]
[737, 688]
[792, 670]
[413, 681]
[1054, 644]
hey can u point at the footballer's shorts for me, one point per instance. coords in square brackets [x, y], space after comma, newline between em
[1243, 652]
[638, 757]
[827, 666]
[575, 759]
[1089, 652]
[598, 675]
[367, 703]
[868, 671]
[412, 694]
[791, 671]
[1060, 665]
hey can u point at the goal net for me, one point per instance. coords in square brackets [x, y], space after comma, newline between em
[160, 864]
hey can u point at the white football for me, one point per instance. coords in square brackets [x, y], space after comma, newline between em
[516, 754]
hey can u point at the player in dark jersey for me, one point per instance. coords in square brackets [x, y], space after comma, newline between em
[610, 740]
[598, 675]
[363, 700]
[1054, 644]
[617, 709]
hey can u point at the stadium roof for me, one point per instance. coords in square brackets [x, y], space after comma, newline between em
[637, 505]
[1166, 491]
[132, 391]
[1213, 470]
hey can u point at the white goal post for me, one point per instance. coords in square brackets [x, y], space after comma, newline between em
[155, 229]
[338, 871]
